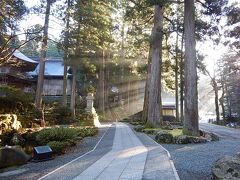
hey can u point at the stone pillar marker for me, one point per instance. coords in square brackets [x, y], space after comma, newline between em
[91, 110]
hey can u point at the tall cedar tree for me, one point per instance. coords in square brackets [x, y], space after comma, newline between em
[191, 124]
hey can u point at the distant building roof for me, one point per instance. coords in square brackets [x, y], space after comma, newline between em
[168, 101]
[21, 56]
[168, 98]
[21, 62]
[52, 68]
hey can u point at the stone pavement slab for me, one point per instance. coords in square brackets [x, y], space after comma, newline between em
[133, 156]
[126, 160]
[159, 165]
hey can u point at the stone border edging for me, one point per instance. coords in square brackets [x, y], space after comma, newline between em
[75, 158]
[170, 158]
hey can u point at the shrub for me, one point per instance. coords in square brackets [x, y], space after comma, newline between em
[27, 118]
[91, 131]
[91, 89]
[86, 132]
[7, 136]
[62, 134]
[13, 100]
[62, 115]
[86, 119]
[30, 136]
[58, 147]
[55, 134]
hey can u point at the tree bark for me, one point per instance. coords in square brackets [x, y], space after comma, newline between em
[191, 124]
[182, 82]
[176, 76]
[221, 100]
[73, 93]
[65, 77]
[128, 94]
[123, 83]
[146, 94]
[154, 105]
[101, 83]
[40, 82]
[229, 104]
[106, 80]
[66, 43]
[215, 88]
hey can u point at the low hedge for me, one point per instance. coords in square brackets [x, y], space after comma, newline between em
[90, 131]
[58, 147]
[63, 134]
[55, 134]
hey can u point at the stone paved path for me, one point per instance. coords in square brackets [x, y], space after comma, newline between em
[126, 160]
[132, 157]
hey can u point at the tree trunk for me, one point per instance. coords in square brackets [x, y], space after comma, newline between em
[176, 76]
[123, 83]
[146, 94]
[182, 82]
[191, 124]
[101, 84]
[221, 100]
[73, 93]
[154, 103]
[39, 91]
[65, 77]
[66, 43]
[128, 94]
[229, 106]
[107, 77]
[216, 100]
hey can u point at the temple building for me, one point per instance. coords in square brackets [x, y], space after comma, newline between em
[15, 72]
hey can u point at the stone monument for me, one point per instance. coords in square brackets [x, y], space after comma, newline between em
[91, 110]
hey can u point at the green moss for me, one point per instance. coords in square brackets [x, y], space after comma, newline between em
[189, 133]
[174, 132]
[148, 126]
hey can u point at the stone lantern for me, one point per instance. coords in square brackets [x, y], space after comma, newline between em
[90, 109]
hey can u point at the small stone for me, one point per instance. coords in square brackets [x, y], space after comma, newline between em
[196, 140]
[11, 156]
[226, 168]
[164, 137]
[238, 155]
[149, 131]
[139, 128]
[209, 136]
[181, 139]
[214, 137]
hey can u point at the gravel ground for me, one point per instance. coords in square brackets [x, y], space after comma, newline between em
[194, 161]
[35, 170]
